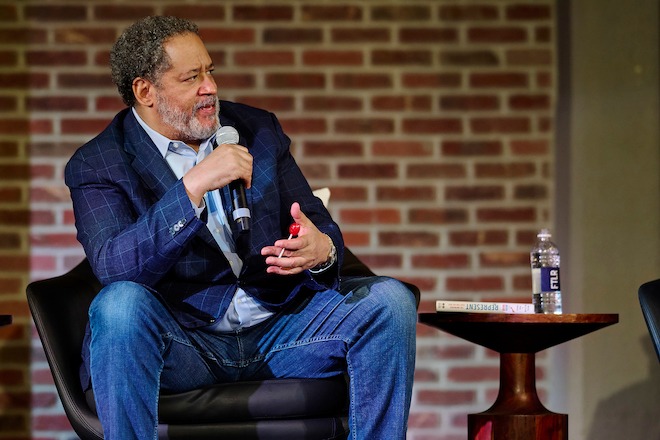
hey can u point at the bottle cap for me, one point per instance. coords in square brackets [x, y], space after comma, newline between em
[545, 233]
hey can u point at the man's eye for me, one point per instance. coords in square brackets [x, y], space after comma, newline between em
[192, 78]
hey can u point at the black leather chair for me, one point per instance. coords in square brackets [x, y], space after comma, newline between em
[649, 300]
[271, 409]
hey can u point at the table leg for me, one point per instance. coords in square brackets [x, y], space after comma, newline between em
[517, 413]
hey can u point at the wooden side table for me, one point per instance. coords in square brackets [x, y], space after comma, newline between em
[517, 413]
[5, 320]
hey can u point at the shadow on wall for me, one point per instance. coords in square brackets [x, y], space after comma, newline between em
[633, 413]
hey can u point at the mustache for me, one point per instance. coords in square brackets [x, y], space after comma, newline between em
[206, 103]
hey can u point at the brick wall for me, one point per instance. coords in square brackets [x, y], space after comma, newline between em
[431, 121]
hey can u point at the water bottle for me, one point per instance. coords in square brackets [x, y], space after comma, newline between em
[546, 289]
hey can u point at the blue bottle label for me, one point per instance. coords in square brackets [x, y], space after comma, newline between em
[550, 279]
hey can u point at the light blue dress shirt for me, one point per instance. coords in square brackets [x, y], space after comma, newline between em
[244, 311]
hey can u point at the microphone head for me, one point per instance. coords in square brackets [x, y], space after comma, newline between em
[226, 135]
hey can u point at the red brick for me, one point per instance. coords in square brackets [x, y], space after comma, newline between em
[438, 216]
[84, 81]
[474, 284]
[196, 11]
[432, 80]
[46, 13]
[51, 423]
[348, 193]
[360, 35]
[382, 261]
[364, 126]
[468, 13]
[494, 35]
[402, 148]
[370, 216]
[352, 238]
[445, 398]
[528, 12]
[8, 58]
[9, 241]
[505, 170]
[425, 419]
[54, 240]
[469, 58]
[402, 103]
[295, 80]
[469, 102]
[499, 80]
[228, 35]
[332, 103]
[264, 58]
[121, 12]
[504, 259]
[441, 261]
[24, 81]
[341, 13]
[8, 12]
[439, 171]
[474, 374]
[367, 171]
[333, 148]
[529, 102]
[14, 217]
[262, 13]
[25, 35]
[235, 81]
[401, 13]
[333, 58]
[304, 125]
[433, 126]
[474, 193]
[83, 126]
[479, 238]
[404, 57]
[428, 35]
[8, 104]
[56, 103]
[82, 36]
[362, 80]
[272, 103]
[500, 125]
[532, 146]
[410, 239]
[405, 193]
[506, 214]
[471, 148]
[292, 35]
[56, 58]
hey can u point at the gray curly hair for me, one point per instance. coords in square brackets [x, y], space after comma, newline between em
[139, 52]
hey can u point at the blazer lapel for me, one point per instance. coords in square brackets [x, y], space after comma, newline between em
[152, 168]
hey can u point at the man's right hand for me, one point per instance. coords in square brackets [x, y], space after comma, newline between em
[226, 163]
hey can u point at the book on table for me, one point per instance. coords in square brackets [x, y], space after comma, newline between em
[483, 307]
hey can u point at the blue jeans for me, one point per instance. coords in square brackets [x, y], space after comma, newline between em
[366, 329]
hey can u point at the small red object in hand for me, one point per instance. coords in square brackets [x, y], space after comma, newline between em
[294, 229]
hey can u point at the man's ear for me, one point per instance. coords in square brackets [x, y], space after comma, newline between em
[144, 92]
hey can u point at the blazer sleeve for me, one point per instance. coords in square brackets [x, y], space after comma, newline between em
[126, 238]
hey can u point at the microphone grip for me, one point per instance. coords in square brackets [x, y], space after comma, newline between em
[239, 205]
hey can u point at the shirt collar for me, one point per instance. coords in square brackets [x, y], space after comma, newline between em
[162, 142]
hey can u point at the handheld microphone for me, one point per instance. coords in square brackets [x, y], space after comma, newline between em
[240, 210]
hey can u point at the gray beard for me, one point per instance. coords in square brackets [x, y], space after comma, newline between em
[187, 127]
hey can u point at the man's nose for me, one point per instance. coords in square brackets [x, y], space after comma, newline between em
[208, 86]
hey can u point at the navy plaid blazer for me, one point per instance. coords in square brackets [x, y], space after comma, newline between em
[136, 223]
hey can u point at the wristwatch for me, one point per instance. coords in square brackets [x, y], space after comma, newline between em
[332, 258]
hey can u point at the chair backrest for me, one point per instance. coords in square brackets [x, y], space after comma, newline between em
[649, 300]
[59, 309]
